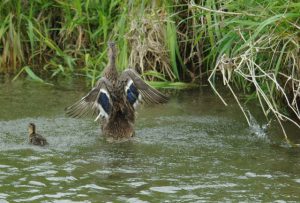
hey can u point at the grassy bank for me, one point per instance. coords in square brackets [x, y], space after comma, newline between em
[254, 46]
[251, 45]
[60, 38]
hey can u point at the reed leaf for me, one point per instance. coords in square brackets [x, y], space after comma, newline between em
[30, 73]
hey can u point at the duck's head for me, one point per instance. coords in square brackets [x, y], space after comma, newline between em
[31, 128]
[112, 52]
[111, 45]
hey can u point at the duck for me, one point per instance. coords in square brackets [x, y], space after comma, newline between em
[115, 98]
[34, 138]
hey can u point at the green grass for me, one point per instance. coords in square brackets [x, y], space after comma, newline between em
[178, 41]
[63, 38]
[66, 37]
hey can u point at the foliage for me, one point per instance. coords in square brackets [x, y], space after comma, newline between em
[255, 47]
[63, 38]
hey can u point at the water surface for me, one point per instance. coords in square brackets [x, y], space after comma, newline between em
[192, 149]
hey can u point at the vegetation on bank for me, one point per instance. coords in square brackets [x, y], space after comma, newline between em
[251, 45]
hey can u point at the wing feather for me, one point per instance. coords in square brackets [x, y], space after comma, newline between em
[149, 94]
[90, 104]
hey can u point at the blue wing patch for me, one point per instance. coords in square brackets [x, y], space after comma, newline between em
[103, 100]
[132, 94]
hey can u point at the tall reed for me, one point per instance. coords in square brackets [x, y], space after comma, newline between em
[255, 47]
[63, 38]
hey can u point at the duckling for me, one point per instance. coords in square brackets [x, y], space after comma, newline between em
[115, 98]
[35, 138]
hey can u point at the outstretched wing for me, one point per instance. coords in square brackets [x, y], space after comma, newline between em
[137, 89]
[96, 102]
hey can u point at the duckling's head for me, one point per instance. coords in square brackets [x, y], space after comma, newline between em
[31, 128]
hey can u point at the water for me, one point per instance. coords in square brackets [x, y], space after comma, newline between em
[193, 149]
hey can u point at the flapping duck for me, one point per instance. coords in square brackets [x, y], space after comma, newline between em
[115, 98]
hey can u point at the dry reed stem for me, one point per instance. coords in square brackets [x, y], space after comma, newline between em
[148, 50]
[244, 66]
[194, 5]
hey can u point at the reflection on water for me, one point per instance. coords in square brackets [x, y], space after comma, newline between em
[191, 149]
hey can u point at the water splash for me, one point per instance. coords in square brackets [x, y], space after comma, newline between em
[259, 131]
